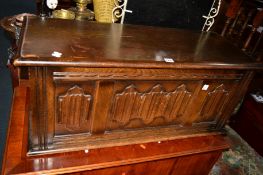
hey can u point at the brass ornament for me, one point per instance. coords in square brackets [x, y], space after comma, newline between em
[81, 11]
[63, 14]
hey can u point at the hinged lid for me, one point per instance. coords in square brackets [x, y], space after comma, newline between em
[56, 42]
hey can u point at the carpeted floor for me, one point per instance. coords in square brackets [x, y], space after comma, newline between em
[240, 159]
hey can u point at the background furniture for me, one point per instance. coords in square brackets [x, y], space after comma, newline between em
[240, 21]
[248, 123]
[243, 27]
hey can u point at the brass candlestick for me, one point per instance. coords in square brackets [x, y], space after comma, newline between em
[81, 11]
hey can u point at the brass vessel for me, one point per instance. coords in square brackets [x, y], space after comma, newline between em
[80, 12]
[63, 14]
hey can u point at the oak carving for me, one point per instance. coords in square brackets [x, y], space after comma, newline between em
[121, 73]
[73, 107]
[132, 105]
[214, 103]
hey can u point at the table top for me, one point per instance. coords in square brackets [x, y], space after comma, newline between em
[56, 42]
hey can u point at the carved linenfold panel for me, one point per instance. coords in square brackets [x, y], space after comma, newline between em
[73, 107]
[148, 106]
[214, 103]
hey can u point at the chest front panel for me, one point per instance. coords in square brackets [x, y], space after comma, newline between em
[74, 106]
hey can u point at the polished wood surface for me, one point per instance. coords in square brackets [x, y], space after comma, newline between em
[112, 87]
[84, 44]
[16, 142]
[188, 165]
[167, 157]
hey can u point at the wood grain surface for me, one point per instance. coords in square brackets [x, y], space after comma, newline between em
[89, 44]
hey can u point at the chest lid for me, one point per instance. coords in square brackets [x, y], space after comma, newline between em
[56, 42]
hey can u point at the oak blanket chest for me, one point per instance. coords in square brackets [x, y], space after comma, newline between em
[121, 99]
[99, 85]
